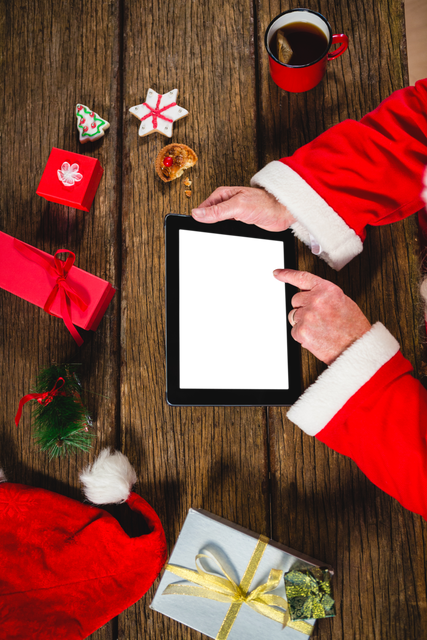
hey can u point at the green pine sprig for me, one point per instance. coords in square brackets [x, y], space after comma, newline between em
[63, 425]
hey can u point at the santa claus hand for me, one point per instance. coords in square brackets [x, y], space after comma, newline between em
[253, 206]
[324, 320]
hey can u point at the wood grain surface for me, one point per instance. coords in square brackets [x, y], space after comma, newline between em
[250, 465]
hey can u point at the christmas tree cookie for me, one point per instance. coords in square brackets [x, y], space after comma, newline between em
[89, 124]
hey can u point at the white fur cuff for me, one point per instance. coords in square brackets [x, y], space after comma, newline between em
[2, 476]
[109, 479]
[335, 386]
[314, 216]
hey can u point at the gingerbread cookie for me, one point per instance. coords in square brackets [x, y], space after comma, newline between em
[173, 160]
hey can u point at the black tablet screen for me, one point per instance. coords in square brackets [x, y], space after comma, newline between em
[232, 313]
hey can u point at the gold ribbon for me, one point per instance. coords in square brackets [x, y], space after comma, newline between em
[215, 587]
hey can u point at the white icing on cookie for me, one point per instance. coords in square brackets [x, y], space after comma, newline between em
[89, 124]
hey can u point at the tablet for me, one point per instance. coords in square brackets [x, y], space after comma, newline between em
[228, 340]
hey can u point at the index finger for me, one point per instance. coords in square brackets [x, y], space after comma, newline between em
[301, 279]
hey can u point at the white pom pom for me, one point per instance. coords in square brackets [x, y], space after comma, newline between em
[2, 476]
[109, 479]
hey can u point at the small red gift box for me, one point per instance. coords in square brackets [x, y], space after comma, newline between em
[70, 179]
[61, 289]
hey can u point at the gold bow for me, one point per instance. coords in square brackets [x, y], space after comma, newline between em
[215, 587]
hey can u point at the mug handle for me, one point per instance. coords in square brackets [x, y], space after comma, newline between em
[338, 38]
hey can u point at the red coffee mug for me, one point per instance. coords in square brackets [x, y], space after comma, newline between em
[298, 78]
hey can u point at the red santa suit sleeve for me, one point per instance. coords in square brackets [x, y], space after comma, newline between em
[355, 174]
[366, 405]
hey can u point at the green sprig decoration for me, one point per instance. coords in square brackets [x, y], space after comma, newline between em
[62, 425]
[309, 594]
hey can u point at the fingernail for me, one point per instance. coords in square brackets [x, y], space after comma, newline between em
[198, 213]
[276, 272]
[272, 274]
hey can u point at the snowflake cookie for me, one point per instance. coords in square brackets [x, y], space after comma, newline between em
[158, 112]
[89, 124]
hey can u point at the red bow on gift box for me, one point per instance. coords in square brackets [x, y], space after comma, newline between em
[59, 270]
[42, 398]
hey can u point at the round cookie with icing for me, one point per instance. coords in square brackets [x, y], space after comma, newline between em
[89, 124]
[158, 112]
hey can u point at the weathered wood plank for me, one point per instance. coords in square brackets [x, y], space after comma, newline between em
[185, 457]
[55, 54]
[321, 503]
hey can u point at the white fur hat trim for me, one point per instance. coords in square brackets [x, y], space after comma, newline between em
[109, 479]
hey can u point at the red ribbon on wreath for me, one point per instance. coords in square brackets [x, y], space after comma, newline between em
[44, 398]
[58, 269]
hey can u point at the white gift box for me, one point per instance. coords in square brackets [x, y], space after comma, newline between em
[233, 546]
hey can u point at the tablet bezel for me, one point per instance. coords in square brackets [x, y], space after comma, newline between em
[177, 397]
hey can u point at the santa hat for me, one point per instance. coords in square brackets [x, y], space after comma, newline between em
[66, 567]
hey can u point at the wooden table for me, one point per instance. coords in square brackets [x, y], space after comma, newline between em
[250, 465]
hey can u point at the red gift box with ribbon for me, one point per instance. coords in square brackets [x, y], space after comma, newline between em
[71, 179]
[60, 288]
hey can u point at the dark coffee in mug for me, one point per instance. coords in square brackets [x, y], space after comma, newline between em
[306, 41]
